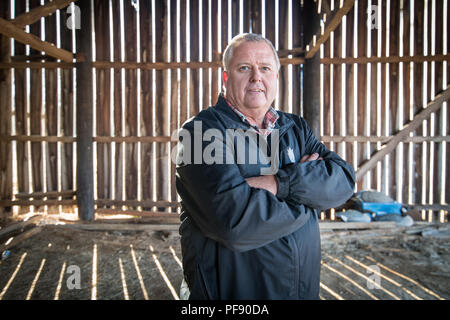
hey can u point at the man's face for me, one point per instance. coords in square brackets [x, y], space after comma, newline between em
[251, 81]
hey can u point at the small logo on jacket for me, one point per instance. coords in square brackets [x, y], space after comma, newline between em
[291, 155]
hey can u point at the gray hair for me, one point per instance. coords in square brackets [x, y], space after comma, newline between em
[246, 37]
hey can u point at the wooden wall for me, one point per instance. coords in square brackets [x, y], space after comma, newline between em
[376, 100]
[144, 92]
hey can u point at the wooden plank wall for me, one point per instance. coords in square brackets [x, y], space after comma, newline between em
[41, 107]
[136, 110]
[377, 99]
[140, 102]
[131, 104]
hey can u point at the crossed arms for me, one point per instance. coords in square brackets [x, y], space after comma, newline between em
[246, 213]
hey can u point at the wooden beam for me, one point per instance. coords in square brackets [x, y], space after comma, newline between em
[10, 30]
[49, 194]
[400, 136]
[84, 117]
[356, 225]
[137, 203]
[36, 138]
[177, 65]
[20, 225]
[121, 226]
[334, 23]
[132, 65]
[23, 236]
[383, 139]
[37, 13]
[11, 203]
[435, 207]
[36, 65]
[134, 139]
[391, 59]
[147, 214]
[293, 51]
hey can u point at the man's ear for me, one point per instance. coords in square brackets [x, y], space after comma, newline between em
[224, 77]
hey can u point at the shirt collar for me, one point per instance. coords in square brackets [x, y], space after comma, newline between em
[270, 118]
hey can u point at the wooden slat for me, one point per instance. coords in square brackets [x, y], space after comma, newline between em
[10, 30]
[334, 23]
[37, 13]
[10, 203]
[390, 59]
[432, 106]
[50, 194]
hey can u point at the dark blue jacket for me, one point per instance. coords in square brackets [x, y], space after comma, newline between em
[240, 242]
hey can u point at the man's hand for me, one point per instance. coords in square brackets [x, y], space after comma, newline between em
[264, 182]
[314, 156]
[269, 183]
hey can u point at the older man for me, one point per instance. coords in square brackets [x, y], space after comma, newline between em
[247, 235]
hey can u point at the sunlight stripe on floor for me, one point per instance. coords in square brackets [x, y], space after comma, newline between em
[61, 277]
[124, 282]
[384, 277]
[164, 275]
[36, 278]
[94, 273]
[11, 279]
[334, 294]
[138, 271]
[364, 277]
[406, 278]
[349, 280]
[175, 257]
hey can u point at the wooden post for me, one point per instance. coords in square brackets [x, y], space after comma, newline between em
[311, 72]
[85, 172]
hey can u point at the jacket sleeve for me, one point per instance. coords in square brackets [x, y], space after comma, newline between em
[226, 209]
[320, 184]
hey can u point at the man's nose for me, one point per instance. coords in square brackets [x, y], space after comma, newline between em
[256, 75]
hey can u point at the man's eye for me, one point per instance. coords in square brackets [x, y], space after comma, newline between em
[244, 68]
[265, 68]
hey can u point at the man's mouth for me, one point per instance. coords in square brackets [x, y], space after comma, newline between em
[256, 90]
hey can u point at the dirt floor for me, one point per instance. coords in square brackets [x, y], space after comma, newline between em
[407, 263]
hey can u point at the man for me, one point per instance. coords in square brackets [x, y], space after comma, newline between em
[245, 235]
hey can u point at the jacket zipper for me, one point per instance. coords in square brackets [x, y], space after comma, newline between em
[279, 138]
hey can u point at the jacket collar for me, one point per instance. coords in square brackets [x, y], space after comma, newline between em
[232, 121]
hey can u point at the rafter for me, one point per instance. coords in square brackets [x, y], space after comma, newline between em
[37, 13]
[400, 136]
[10, 30]
[334, 23]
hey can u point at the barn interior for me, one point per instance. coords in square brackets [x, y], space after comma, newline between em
[92, 94]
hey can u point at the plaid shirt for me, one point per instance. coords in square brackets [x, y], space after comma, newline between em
[270, 118]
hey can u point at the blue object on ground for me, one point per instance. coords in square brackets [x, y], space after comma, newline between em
[379, 209]
[5, 254]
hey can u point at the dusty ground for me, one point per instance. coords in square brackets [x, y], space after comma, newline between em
[122, 265]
